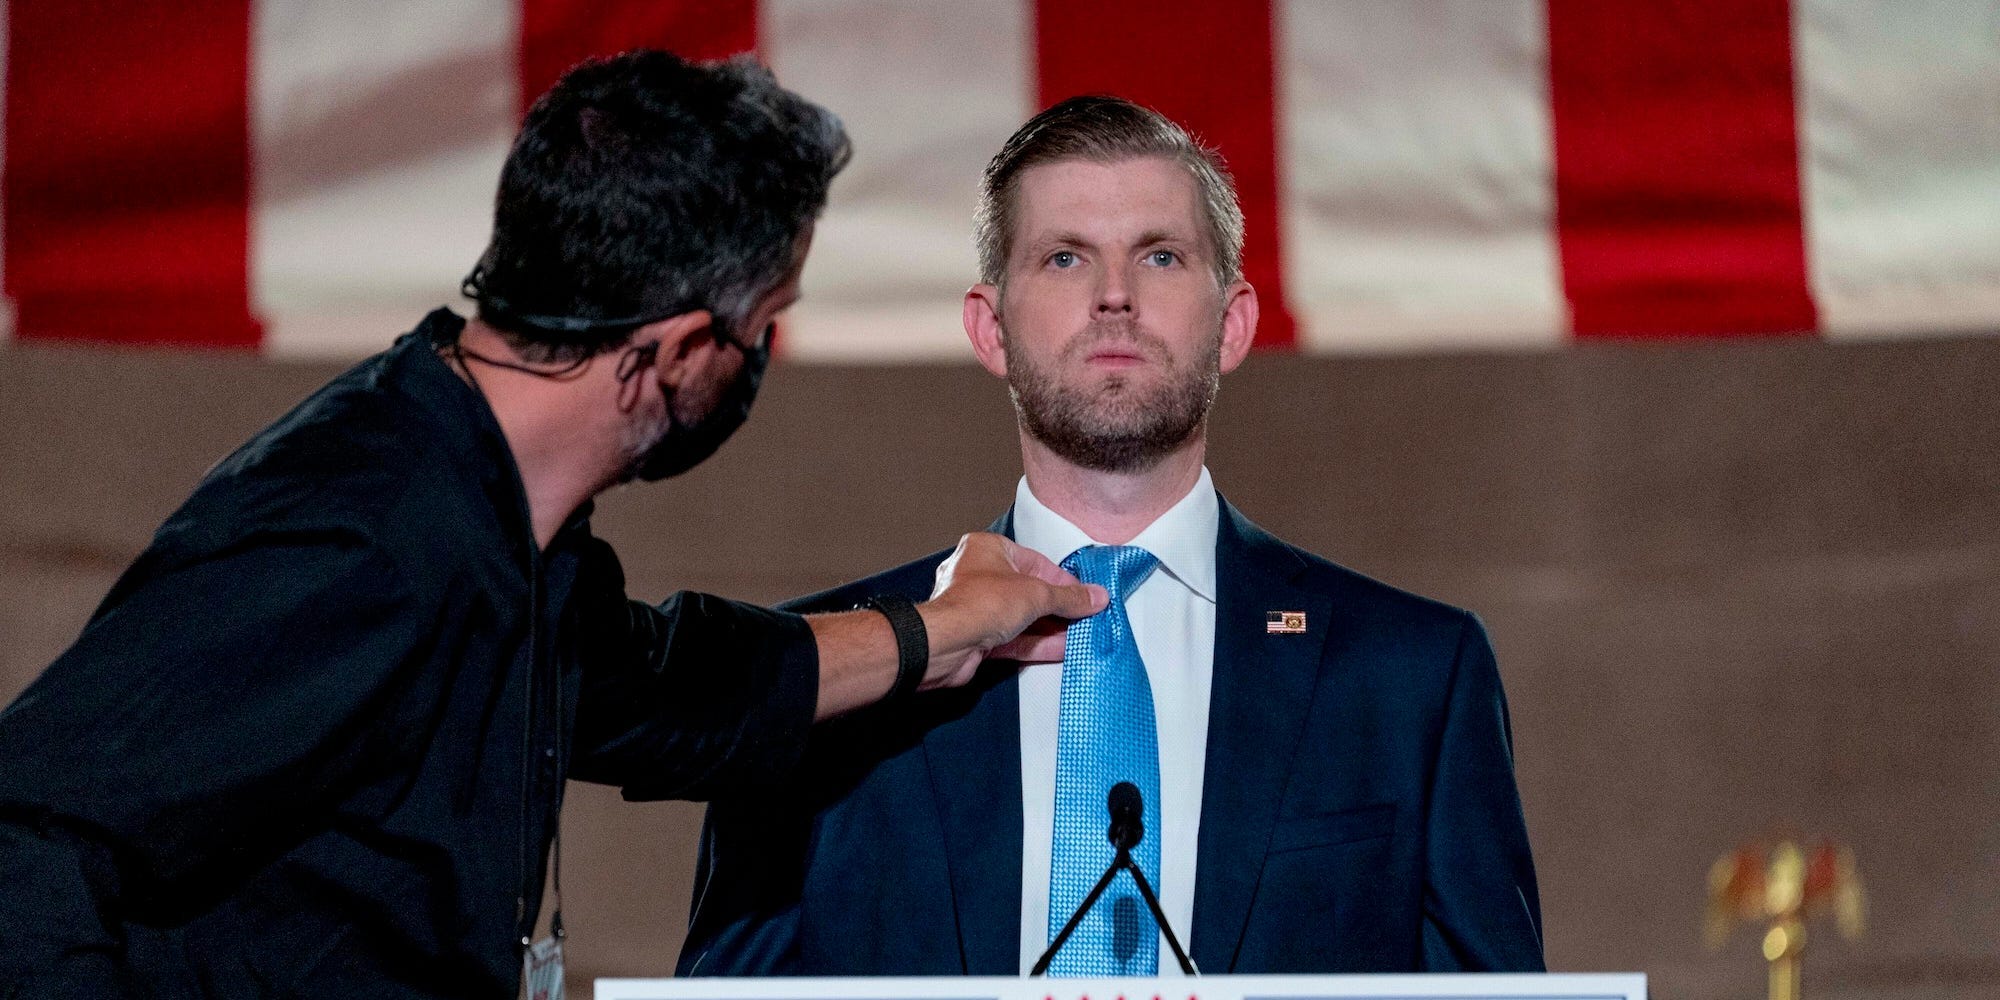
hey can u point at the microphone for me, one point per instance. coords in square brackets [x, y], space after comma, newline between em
[1128, 815]
[1127, 808]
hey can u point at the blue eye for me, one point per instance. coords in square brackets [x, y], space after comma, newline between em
[1162, 258]
[1063, 258]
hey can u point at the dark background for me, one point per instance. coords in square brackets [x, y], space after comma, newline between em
[1738, 590]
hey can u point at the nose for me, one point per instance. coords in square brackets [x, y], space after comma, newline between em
[1114, 292]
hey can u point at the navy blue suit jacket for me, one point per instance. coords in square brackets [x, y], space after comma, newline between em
[1359, 812]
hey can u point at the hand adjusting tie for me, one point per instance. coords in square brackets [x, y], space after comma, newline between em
[913, 644]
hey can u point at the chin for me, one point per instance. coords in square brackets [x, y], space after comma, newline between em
[1126, 389]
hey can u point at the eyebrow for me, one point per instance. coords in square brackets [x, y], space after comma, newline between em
[1152, 236]
[1066, 236]
[1072, 238]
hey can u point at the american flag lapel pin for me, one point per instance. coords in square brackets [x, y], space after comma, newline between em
[1284, 623]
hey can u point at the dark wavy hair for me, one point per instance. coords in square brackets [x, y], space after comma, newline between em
[644, 186]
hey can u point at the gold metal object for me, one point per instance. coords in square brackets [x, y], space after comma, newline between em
[1783, 885]
[1284, 623]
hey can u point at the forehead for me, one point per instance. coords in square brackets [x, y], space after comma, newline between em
[1121, 198]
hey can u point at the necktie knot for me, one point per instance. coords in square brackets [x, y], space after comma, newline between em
[1119, 569]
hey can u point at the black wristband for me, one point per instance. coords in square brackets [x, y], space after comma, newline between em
[913, 644]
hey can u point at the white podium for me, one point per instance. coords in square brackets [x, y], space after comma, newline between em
[1554, 986]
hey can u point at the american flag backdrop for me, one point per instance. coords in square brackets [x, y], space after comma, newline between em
[305, 178]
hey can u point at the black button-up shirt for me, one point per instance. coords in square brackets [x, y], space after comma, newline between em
[313, 741]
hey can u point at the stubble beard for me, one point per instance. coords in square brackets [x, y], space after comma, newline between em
[639, 440]
[1118, 424]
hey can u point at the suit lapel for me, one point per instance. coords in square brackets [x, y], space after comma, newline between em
[975, 770]
[1259, 698]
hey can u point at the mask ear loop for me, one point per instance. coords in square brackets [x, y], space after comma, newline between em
[634, 361]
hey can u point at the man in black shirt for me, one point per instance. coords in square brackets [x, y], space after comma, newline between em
[313, 743]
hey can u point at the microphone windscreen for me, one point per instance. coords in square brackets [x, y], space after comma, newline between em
[1125, 802]
[1128, 811]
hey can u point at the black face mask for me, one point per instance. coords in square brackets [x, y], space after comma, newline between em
[685, 446]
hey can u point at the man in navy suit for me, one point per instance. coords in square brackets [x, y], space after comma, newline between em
[1335, 787]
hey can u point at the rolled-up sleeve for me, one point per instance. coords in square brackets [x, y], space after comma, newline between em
[707, 696]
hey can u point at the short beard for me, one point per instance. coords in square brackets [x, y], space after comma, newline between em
[640, 439]
[1115, 426]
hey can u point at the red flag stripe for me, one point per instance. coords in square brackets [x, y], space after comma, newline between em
[1677, 179]
[1208, 66]
[558, 34]
[127, 181]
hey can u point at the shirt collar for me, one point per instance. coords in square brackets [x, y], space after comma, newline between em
[461, 412]
[1183, 538]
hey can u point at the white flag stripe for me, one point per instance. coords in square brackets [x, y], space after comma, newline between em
[1419, 175]
[1416, 166]
[377, 134]
[1900, 133]
[928, 91]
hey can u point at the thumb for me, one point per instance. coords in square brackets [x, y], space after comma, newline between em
[1077, 600]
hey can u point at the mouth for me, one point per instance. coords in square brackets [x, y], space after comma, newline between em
[1115, 356]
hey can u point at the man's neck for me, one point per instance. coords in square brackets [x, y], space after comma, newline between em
[563, 456]
[1112, 507]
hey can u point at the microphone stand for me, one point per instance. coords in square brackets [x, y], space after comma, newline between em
[1122, 861]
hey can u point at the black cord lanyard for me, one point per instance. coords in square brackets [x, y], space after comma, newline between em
[524, 922]
[524, 919]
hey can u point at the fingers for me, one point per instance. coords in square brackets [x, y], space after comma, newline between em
[1035, 564]
[1078, 600]
[1041, 643]
[1064, 597]
[998, 587]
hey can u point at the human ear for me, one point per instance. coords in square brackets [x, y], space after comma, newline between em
[982, 327]
[1239, 323]
[682, 344]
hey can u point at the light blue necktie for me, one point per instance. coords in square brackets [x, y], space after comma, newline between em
[1105, 735]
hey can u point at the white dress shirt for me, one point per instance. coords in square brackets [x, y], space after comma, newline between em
[1173, 619]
